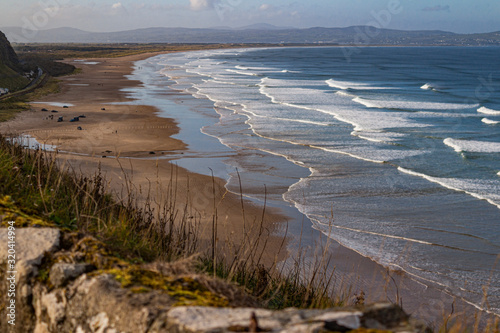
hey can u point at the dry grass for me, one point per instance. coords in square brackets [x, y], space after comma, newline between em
[159, 231]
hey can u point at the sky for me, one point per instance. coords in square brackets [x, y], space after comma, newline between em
[461, 16]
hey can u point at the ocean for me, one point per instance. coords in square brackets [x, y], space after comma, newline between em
[394, 152]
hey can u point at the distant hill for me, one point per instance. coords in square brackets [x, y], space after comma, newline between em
[264, 26]
[259, 33]
[7, 54]
[10, 68]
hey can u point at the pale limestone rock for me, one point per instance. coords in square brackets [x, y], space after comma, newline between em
[201, 319]
[41, 328]
[79, 329]
[61, 273]
[349, 320]
[305, 328]
[31, 245]
[194, 319]
[55, 306]
[99, 323]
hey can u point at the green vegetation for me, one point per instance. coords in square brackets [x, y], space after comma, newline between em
[10, 107]
[10, 79]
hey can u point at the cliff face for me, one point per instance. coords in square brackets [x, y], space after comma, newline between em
[8, 56]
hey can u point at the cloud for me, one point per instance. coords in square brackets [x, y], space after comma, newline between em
[201, 4]
[437, 8]
[118, 9]
[157, 7]
[265, 7]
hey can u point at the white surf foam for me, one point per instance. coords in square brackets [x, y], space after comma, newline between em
[410, 105]
[478, 189]
[384, 137]
[489, 121]
[485, 110]
[344, 85]
[430, 86]
[472, 146]
[242, 72]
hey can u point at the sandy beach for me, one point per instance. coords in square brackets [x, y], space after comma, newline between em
[125, 141]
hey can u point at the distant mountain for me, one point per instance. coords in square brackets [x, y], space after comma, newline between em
[259, 33]
[264, 26]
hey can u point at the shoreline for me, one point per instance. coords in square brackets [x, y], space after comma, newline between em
[417, 293]
[110, 131]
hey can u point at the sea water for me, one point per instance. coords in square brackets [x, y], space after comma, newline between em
[394, 152]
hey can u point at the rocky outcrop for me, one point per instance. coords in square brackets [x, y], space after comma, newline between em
[67, 283]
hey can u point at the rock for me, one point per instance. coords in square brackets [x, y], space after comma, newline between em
[54, 305]
[61, 273]
[379, 316]
[222, 320]
[202, 319]
[341, 321]
[126, 311]
[31, 245]
[99, 323]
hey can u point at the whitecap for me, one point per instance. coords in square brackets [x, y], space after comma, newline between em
[483, 190]
[472, 146]
[410, 105]
[485, 110]
[344, 85]
[489, 121]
